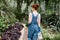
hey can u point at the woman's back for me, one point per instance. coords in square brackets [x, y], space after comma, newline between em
[33, 27]
[34, 18]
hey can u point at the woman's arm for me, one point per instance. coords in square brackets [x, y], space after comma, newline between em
[39, 20]
[29, 18]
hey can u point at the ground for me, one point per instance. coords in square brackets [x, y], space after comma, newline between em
[24, 32]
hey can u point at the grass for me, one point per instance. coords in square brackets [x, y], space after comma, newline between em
[48, 34]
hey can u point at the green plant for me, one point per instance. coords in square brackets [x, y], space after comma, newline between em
[5, 21]
[3, 25]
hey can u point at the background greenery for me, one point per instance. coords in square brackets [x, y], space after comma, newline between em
[12, 11]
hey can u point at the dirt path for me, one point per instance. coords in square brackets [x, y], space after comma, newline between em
[25, 34]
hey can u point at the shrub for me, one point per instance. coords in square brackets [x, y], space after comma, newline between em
[13, 32]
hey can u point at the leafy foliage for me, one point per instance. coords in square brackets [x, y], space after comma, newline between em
[5, 20]
[13, 32]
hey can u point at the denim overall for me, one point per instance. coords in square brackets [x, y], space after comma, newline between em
[33, 28]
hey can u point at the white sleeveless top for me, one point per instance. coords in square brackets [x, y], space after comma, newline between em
[35, 14]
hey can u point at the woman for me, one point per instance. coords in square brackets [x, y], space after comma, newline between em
[34, 23]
